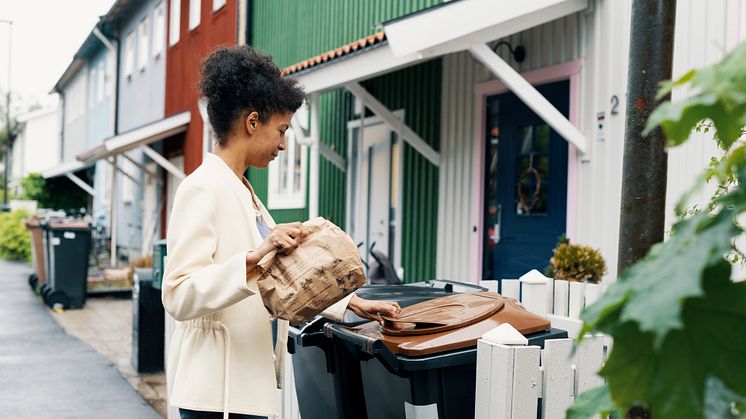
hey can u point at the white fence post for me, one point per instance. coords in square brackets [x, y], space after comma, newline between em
[559, 379]
[534, 293]
[508, 381]
[511, 288]
[561, 296]
[588, 360]
[577, 299]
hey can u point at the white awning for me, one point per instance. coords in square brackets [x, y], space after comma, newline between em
[65, 168]
[466, 25]
[434, 32]
[138, 137]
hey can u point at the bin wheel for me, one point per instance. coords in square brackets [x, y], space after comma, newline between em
[33, 280]
[57, 299]
[45, 290]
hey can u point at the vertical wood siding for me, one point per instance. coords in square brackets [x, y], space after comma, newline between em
[291, 31]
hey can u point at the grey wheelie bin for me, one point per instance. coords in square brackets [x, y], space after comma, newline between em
[327, 377]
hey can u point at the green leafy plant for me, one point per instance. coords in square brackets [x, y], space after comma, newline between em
[577, 262]
[14, 237]
[676, 316]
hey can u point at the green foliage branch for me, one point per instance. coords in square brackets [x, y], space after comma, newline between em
[14, 237]
[677, 319]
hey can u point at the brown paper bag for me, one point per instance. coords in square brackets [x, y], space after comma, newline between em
[324, 269]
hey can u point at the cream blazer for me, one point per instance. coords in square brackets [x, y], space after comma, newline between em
[221, 356]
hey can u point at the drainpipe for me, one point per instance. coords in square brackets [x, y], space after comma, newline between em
[113, 94]
[643, 208]
[313, 187]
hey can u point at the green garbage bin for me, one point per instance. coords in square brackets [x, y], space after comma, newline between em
[159, 261]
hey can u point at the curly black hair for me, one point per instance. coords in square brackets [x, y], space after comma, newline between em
[238, 80]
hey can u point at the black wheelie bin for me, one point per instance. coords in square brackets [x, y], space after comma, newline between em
[423, 364]
[327, 379]
[66, 247]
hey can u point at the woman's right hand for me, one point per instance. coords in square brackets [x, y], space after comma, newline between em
[285, 237]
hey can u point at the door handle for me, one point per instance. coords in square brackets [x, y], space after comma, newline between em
[498, 225]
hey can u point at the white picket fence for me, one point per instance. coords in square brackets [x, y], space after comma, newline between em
[558, 300]
[517, 382]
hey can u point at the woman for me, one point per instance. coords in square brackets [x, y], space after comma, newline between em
[221, 358]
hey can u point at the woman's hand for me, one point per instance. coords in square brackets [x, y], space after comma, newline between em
[371, 309]
[285, 237]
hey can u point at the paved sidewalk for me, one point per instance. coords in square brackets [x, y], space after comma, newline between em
[105, 323]
[46, 373]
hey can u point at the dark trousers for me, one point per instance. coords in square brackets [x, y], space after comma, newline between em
[193, 414]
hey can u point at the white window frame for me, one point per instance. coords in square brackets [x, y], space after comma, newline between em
[277, 199]
[195, 13]
[129, 55]
[208, 135]
[128, 185]
[159, 29]
[92, 78]
[217, 5]
[101, 81]
[104, 176]
[174, 22]
[142, 44]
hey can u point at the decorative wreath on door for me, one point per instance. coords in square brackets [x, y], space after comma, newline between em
[525, 206]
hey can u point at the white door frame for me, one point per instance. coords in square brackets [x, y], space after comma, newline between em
[352, 170]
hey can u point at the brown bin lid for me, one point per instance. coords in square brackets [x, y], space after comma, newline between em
[445, 333]
[442, 314]
[69, 224]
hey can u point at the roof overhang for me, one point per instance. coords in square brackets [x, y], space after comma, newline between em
[65, 168]
[137, 137]
[433, 33]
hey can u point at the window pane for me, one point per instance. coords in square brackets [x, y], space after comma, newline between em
[217, 4]
[194, 13]
[297, 170]
[174, 22]
[142, 44]
[532, 170]
[159, 23]
[129, 54]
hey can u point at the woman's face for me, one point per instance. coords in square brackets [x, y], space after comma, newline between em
[267, 139]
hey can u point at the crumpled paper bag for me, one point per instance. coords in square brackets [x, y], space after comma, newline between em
[324, 269]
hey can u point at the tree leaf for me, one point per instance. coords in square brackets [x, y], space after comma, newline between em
[658, 287]
[721, 402]
[630, 369]
[595, 401]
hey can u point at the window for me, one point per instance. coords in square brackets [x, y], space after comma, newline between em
[100, 83]
[92, 79]
[142, 44]
[129, 55]
[208, 136]
[174, 22]
[194, 13]
[128, 185]
[287, 175]
[159, 29]
[103, 170]
[217, 4]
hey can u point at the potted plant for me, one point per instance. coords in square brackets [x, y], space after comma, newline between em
[576, 263]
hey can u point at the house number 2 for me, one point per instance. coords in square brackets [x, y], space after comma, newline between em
[614, 104]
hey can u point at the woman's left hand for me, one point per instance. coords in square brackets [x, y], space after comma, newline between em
[371, 309]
